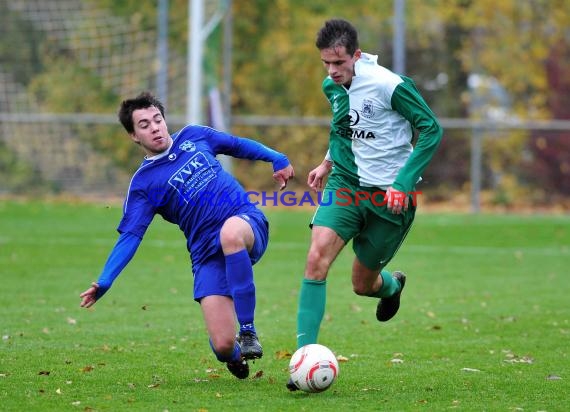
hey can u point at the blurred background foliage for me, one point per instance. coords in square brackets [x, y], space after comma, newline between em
[518, 49]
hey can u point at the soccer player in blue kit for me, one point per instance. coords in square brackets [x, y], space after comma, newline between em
[181, 180]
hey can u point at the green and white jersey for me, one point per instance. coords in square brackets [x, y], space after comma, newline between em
[372, 128]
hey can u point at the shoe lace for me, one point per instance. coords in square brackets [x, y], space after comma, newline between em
[248, 339]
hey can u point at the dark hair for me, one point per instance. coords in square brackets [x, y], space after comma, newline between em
[142, 101]
[337, 33]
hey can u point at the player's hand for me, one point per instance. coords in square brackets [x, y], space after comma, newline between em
[396, 201]
[88, 297]
[283, 176]
[317, 176]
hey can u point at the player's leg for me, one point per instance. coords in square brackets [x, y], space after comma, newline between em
[384, 285]
[243, 240]
[325, 247]
[374, 247]
[219, 316]
[333, 225]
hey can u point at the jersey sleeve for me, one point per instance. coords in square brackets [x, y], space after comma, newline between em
[138, 211]
[120, 256]
[243, 148]
[407, 101]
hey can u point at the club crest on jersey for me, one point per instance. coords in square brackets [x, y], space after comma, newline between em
[187, 146]
[367, 108]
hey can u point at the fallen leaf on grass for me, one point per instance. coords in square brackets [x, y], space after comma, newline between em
[283, 354]
[470, 370]
[355, 308]
[87, 368]
[58, 391]
[153, 385]
[341, 358]
[258, 375]
[510, 319]
[512, 358]
[46, 373]
[553, 378]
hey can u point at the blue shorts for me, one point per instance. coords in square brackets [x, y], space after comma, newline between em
[210, 275]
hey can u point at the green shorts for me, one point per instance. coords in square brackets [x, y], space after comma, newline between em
[360, 213]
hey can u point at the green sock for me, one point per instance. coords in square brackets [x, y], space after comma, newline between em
[389, 285]
[312, 300]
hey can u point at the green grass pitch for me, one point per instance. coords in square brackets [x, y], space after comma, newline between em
[484, 323]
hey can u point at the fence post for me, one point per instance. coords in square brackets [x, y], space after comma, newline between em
[476, 156]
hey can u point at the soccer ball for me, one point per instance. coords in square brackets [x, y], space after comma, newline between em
[313, 368]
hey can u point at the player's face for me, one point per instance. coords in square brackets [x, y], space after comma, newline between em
[339, 64]
[151, 131]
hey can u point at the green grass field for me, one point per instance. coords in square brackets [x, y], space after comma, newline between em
[484, 323]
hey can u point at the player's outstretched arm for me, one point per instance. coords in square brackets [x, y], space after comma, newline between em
[120, 256]
[88, 297]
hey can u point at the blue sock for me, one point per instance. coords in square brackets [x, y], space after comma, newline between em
[239, 274]
[234, 357]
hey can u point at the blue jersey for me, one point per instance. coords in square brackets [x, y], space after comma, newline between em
[187, 186]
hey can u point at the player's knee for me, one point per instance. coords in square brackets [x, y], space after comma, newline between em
[231, 241]
[316, 268]
[236, 235]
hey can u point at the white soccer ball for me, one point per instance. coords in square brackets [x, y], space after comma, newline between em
[313, 368]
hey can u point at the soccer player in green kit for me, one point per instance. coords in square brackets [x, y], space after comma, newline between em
[374, 114]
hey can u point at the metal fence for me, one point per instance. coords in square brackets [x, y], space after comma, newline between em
[476, 167]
